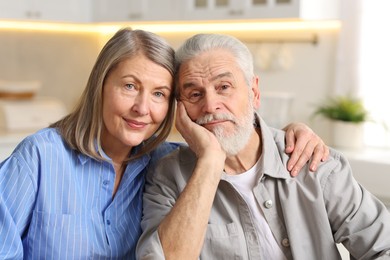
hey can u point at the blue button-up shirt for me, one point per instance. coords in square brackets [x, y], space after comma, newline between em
[56, 203]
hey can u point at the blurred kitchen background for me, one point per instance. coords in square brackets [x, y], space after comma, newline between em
[304, 50]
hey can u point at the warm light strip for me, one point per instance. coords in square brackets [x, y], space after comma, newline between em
[230, 26]
[174, 27]
[48, 26]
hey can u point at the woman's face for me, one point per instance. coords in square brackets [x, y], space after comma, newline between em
[135, 102]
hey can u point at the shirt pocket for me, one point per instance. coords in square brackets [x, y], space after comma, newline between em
[58, 236]
[222, 242]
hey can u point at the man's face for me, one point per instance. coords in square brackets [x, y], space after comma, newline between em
[216, 96]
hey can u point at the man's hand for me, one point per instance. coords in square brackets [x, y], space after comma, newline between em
[303, 144]
[198, 138]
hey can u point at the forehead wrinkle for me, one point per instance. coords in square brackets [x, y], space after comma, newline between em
[191, 77]
[204, 69]
[222, 75]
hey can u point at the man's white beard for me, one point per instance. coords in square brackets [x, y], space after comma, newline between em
[234, 142]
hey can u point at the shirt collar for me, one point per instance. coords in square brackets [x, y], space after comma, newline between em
[143, 159]
[273, 158]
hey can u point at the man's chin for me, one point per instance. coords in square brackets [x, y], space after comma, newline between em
[221, 131]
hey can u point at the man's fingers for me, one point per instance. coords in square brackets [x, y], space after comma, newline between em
[302, 152]
[302, 160]
[290, 141]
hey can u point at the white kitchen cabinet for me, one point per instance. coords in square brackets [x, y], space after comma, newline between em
[47, 10]
[293, 9]
[134, 10]
[166, 10]
[13, 9]
[118, 10]
[213, 9]
[259, 9]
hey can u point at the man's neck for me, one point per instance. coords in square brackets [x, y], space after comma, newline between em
[247, 157]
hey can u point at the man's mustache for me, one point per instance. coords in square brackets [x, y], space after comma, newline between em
[215, 117]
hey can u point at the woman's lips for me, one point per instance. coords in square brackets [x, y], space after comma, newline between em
[135, 124]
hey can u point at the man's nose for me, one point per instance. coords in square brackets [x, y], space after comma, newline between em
[211, 102]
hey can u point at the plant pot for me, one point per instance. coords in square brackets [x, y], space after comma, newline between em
[347, 134]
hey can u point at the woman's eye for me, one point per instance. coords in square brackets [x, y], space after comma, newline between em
[159, 94]
[130, 86]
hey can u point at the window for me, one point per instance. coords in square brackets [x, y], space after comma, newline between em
[374, 70]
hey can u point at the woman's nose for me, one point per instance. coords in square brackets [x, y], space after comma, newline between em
[141, 104]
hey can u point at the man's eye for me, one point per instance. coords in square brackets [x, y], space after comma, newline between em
[195, 95]
[224, 87]
[191, 95]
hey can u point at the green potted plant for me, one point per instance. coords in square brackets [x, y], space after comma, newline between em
[347, 115]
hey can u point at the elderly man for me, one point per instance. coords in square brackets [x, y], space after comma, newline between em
[229, 196]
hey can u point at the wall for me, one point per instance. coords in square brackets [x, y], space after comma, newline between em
[62, 61]
[309, 78]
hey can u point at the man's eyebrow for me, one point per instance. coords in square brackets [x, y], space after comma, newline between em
[188, 85]
[222, 75]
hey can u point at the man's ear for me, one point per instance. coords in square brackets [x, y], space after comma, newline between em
[256, 92]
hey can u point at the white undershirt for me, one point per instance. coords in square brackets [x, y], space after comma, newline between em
[244, 183]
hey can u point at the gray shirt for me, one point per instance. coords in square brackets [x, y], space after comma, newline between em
[307, 214]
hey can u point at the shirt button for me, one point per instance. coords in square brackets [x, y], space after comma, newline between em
[268, 204]
[108, 222]
[286, 242]
[105, 182]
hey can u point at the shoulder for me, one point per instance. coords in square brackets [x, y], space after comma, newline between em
[166, 148]
[182, 154]
[334, 173]
[35, 151]
[336, 166]
[274, 143]
[45, 142]
[180, 161]
[42, 137]
[163, 150]
[336, 162]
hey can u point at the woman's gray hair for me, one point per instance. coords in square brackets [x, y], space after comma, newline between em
[82, 128]
[200, 43]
